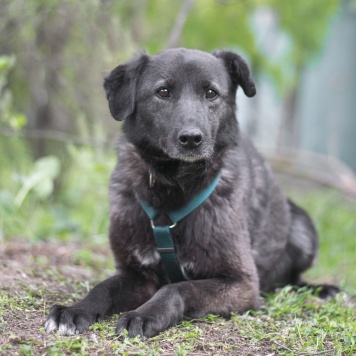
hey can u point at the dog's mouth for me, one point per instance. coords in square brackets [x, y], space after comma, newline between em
[191, 157]
[150, 152]
[177, 152]
[181, 153]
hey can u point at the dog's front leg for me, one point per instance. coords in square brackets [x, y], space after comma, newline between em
[120, 293]
[190, 299]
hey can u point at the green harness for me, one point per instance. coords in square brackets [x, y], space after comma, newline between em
[163, 235]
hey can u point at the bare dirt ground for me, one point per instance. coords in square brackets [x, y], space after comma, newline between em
[44, 273]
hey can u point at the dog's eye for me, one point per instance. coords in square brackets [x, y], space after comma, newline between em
[211, 94]
[163, 92]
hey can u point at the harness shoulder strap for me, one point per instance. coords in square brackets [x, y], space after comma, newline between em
[179, 214]
[150, 212]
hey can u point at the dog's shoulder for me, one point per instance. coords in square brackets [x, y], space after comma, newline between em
[130, 167]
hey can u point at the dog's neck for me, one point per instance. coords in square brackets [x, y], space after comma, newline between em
[173, 183]
[170, 184]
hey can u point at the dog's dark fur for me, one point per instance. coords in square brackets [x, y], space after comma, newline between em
[180, 127]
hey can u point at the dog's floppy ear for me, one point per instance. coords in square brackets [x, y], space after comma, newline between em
[120, 86]
[238, 70]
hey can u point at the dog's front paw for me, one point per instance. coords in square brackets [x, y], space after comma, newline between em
[138, 325]
[68, 320]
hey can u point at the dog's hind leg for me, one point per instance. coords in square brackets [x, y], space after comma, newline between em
[302, 244]
[299, 255]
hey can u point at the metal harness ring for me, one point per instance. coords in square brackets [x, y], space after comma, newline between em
[170, 226]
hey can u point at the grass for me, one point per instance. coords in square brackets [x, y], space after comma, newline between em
[290, 323]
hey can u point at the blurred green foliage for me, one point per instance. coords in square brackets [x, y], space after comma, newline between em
[31, 205]
[8, 115]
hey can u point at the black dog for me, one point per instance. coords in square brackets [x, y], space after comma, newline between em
[181, 138]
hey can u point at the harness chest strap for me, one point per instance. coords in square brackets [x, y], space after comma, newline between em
[163, 235]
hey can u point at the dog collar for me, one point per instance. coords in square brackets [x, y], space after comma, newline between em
[163, 235]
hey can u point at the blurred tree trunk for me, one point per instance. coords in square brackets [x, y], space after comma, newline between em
[288, 130]
[174, 37]
[52, 36]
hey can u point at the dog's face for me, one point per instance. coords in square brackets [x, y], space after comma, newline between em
[179, 104]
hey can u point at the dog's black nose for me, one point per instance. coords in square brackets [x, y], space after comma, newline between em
[190, 138]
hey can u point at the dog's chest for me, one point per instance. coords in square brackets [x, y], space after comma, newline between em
[196, 235]
[192, 264]
[196, 248]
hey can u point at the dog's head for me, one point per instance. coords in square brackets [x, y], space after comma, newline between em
[179, 104]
